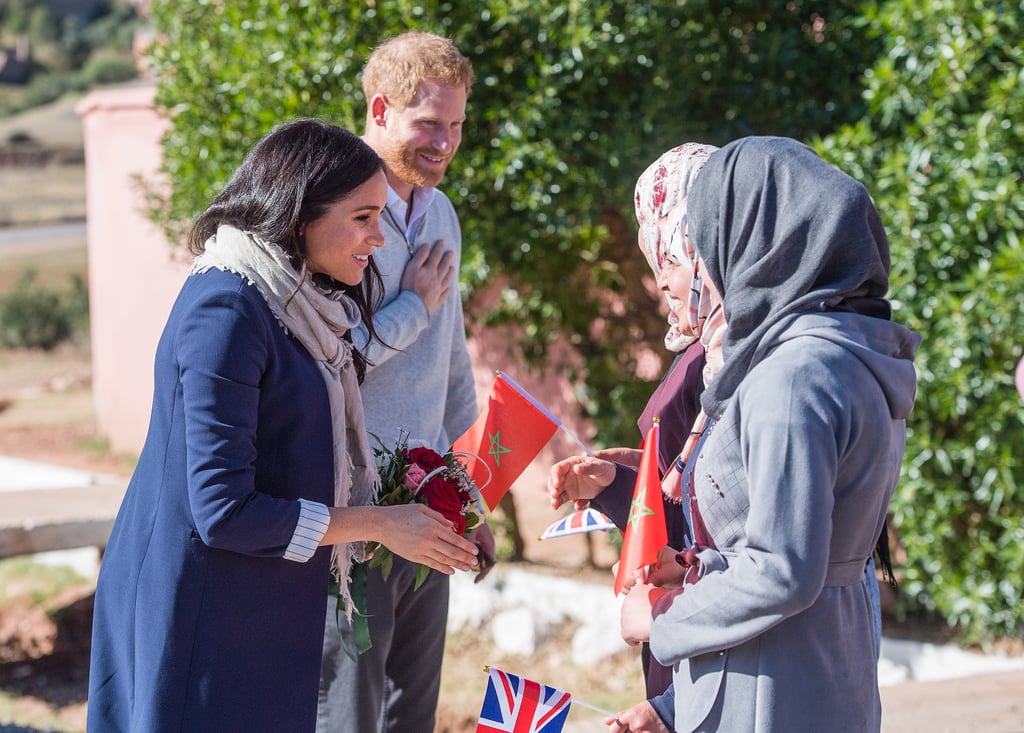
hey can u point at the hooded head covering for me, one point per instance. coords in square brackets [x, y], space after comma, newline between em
[660, 192]
[781, 232]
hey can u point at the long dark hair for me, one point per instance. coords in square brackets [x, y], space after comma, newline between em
[290, 178]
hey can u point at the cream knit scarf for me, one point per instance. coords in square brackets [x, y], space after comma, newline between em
[318, 320]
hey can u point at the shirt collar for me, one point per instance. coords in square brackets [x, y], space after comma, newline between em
[421, 198]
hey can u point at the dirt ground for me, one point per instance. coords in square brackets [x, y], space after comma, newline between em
[46, 415]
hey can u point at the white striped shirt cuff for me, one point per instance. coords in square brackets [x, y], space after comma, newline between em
[314, 518]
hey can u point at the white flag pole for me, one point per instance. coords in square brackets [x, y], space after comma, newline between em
[576, 439]
[595, 708]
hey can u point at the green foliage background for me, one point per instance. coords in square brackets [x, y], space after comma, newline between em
[940, 149]
[574, 99]
[72, 49]
[34, 316]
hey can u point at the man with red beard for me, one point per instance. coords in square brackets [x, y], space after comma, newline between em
[416, 86]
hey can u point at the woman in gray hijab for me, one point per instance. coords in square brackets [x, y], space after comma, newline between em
[793, 480]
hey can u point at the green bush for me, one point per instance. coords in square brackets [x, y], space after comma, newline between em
[940, 150]
[108, 68]
[573, 101]
[43, 89]
[68, 55]
[76, 307]
[36, 317]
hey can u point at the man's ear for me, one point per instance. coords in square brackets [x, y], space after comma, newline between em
[378, 109]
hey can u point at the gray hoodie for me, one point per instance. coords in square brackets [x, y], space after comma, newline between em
[793, 485]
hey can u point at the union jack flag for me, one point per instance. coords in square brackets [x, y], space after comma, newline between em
[517, 705]
[581, 520]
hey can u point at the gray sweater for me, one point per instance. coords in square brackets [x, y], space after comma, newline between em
[424, 385]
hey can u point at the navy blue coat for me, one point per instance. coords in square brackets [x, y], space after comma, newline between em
[200, 624]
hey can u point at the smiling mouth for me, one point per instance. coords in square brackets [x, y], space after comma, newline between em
[435, 160]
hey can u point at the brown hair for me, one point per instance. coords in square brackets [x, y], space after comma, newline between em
[396, 68]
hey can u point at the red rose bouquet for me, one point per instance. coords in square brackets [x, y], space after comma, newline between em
[423, 475]
[409, 475]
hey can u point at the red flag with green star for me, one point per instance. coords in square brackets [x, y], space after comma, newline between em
[512, 429]
[645, 532]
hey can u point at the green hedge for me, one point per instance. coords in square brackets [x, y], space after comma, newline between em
[940, 148]
[572, 101]
[37, 317]
[920, 100]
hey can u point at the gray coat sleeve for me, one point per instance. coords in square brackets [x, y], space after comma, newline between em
[765, 483]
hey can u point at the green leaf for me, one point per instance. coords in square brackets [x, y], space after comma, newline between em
[422, 571]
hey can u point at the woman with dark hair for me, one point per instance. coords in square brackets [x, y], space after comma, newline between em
[793, 476]
[211, 597]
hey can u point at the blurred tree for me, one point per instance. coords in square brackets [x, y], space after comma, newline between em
[73, 42]
[573, 100]
[15, 15]
[42, 25]
[940, 150]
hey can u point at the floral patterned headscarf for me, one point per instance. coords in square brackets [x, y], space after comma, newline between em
[661, 192]
[661, 212]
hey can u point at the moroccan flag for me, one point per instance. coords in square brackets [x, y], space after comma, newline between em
[515, 704]
[645, 532]
[512, 429]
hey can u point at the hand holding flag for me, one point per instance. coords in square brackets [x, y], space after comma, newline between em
[645, 532]
[514, 704]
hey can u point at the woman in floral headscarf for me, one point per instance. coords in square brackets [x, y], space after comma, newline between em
[608, 477]
[660, 203]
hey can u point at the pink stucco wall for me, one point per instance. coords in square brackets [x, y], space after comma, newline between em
[135, 274]
[133, 277]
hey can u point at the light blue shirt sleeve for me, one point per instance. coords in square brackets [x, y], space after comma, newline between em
[314, 519]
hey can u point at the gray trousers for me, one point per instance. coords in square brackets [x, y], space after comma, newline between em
[394, 685]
